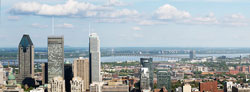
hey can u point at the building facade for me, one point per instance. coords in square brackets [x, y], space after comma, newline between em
[81, 69]
[164, 80]
[25, 58]
[115, 88]
[228, 86]
[186, 88]
[55, 57]
[210, 86]
[77, 85]
[1, 75]
[96, 87]
[240, 89]
[144, 80]
[94, 58]
[57, 84]
[44, 73]
[148, 63]
[68, 75]
[192, 54]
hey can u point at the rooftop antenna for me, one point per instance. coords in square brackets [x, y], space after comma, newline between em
[89, 29]
[0, 11]
[53, 28]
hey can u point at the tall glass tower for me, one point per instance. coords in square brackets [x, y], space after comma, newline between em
[94, 58]
[192, 54]
[164, 79]
[55, 57]
[148, 63]
[25, 58]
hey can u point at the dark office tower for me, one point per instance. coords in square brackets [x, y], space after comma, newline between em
[44, 73]
[25, 58]
[68, 75]
[148, 63]
[94, 58]
[164, 80]
[55, 57]
[192, 54]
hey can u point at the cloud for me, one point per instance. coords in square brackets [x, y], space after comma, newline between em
[65, 25]
[210, 0]
[115, 3]
[37, 25]
[136, 28]
[135, 35]
[13, 18]
[146, 22]
[169, 12]
[120, 13]
[71, 8]
[236, 20]
[208, 19]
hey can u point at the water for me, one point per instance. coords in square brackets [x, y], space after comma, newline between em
[137, 58]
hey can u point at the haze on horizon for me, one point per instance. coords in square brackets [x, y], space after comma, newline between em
[123, 23]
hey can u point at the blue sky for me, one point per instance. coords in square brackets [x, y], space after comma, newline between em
[128, 23]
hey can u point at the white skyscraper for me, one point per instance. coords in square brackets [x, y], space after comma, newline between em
[94, 58]
[144, 80]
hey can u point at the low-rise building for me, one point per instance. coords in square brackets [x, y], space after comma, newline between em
[96, 87]
[77, 85]
[38, 90]
[186, 88]
[240, 89]
[57, 84]
[115, 88]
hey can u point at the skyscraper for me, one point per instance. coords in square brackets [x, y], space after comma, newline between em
[148, 63]
[55, 57]
[94, 57]
[192, 54]
[81, 69]
[164, 80]
[44, 73]
[1, 74]
[144, 80]
[25, 58]
[68, 75]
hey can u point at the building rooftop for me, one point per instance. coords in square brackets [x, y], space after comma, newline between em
[11, 77]
[25, 42]
[93, 35]
[56, 36]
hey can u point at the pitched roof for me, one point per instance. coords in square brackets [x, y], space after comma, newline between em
[25, 41]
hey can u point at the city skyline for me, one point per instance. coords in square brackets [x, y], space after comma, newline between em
[120, 23]
[124, 46]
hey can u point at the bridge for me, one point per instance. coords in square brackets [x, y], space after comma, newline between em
[156, 57]
[115, 57]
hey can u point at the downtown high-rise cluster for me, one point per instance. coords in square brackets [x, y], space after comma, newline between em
[57, 75]
[83, 75]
